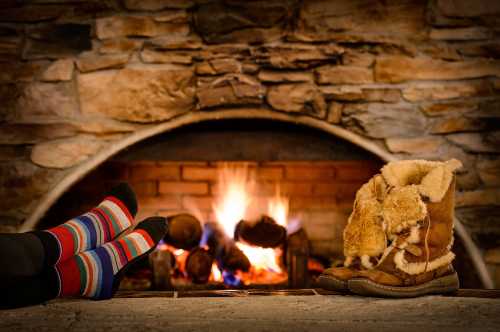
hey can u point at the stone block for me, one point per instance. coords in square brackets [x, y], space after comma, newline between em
[457, 124]
[57, 40]
[459, 8]
[285, 76]
[119, 45]
[414, 145]
[91, 62]
[176, 42]
[474, 142]
[383, 120]
[218, 67]
[470, 33]
[361, 20]
[65, 153]
[154, 5]
[136, 26]
[488, 168]
[231, 89]
[152, 56]
[395, 69]
[136, 94]
[343, 75]
[442, 91]
[296, 56]
[242, 21]
[302, 98]
[59, 70]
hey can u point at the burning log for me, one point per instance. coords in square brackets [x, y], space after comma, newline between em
[199, 265]
[265, 232]
[162, 263]
[297, 255]
[224, 249]
[184, 231]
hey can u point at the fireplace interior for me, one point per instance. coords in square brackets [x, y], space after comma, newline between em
[253, 203]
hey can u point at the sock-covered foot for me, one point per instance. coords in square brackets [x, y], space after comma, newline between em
[97, 273]
[102, 224]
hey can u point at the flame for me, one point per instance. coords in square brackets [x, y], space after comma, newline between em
[216, 275]
[234, 185]
[278, 208]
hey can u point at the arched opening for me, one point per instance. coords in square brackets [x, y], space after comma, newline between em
[356, 145]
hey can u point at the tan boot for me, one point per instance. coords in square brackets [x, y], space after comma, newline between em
[398, 238]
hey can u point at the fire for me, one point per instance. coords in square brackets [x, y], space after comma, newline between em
[235, 187]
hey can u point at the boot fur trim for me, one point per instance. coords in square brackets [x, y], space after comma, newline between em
[421, 267]
[431, 177]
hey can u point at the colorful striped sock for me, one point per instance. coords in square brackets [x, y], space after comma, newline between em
[96, 273]
[102, 224]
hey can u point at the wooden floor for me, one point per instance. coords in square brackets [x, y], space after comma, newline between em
[258, 310]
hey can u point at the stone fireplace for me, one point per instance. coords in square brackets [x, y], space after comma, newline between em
[89, 88]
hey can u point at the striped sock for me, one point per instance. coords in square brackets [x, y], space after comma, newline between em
[102, 224]
[94, 273]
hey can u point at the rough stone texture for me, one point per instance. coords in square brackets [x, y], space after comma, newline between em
[482, 197]
[489, 170]
[457, 124]
[448, 108]
[175, 42]
[394, 69]
[442, 91]
[417, 145]
[242, 21]
[151, 56]
[334, 113]
[218, 66]
[468, 8]
[119, 45]
[296, 56]
[138, 26]
[472, 33]
[230, 89]
[474, 142]
[17, 134]
[343, 75]
[356, 93]
[285, 76]
[59, 70]
[259, 313]
[19, 71]
[64, 153]
[45, 101]
[92, 62]
[382, 120]
[57, 40]
[297, 98]
[157, 4]
[139, 95]
[359, 59]
[360, 20]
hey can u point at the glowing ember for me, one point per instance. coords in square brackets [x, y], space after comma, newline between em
[261, 259]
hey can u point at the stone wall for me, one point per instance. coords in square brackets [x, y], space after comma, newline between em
[419, 78]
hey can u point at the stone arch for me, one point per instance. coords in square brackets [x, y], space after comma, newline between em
[84, 168]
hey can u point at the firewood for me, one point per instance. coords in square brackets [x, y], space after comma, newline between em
[224, 249]
[184, 231]
[265, 232]
[297, 255]
[199, 265]
[162, 262]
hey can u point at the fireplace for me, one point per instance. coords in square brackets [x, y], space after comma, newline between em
[263, 203]
[91, 90]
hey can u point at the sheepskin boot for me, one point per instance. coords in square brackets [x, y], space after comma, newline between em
[398, 239]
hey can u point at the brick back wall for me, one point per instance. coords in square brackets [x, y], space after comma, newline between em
[321, 193]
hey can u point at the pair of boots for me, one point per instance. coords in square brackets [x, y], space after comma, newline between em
[85, 256]
[398, 239]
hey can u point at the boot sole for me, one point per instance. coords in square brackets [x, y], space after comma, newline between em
[442, 285]
[331, 283]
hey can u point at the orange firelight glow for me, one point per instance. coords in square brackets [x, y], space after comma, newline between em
[235, 185]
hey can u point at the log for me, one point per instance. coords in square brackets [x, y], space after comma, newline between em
[184, 231]
[297, 255]
[162, 263]
[224, 250]
[264, 232]
[199, 265]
